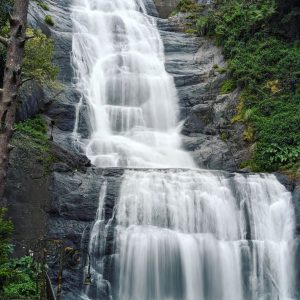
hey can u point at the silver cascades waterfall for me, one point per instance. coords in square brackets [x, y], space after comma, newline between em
[179, 233]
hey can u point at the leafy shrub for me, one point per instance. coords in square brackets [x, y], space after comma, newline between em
[188, 6]
[37, 62]
[17, 276]
[43, 5]
[49, 20]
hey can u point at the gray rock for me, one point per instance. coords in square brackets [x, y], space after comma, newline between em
[165, 7]
[151, 8]
[32, 101]
[27, 197]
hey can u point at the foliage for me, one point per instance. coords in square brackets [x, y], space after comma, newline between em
[6, 229]
[188, 6]
[17, 277]
[5, 5]
[267, 69]
[21, 279]
[36, 128]
[37, 62]
[49, 20]
[31, 136]
[43, 5]
[191, 9]
[228, 86]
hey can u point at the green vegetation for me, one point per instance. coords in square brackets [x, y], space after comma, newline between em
[31, 136]
[17, 276]
[37, 62]
[4, 8]
[264, 61]
[43, 5]
[228, 86]
[49, 20]
[188, 6]
[192, 9]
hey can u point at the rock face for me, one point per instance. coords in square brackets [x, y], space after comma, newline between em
[208, 132]
[165, 7]
[61, 103]
[27, 197]
[73, 205]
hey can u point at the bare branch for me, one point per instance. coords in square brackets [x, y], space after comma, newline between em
[3, 41]
[25, 80]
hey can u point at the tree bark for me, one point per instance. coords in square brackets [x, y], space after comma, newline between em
[11, 82]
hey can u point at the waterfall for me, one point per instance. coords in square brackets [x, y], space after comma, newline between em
[176, 233]
[119, 62]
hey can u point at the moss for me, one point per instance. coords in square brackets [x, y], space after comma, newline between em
[228, 86]
[49, 20]
[191, 31]
[221, 70]
[224, 136]
[189, 6]
[31, 136]
[249, 134]
[239, 111]
[43, 5]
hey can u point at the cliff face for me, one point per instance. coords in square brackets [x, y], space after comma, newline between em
[165, 7]
[67, 195]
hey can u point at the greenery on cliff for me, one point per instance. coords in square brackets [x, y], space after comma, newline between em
[261, 42]
[17, 276]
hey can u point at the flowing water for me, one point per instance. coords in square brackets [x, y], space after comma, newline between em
[179, 234]
[118, 56]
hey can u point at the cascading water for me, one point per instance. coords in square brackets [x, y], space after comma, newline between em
[179, 234]
[118, 55]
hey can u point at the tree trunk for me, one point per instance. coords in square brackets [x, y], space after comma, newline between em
[12, 78]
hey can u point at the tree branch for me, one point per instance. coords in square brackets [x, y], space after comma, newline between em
[3, 41]
[25, 80]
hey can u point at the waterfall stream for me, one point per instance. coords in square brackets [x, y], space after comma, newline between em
[178, 233]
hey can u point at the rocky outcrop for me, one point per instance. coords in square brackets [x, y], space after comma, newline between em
[208, 133]
[165, 7]
[73, 205]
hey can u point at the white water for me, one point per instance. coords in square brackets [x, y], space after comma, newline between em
[178, 234]
[118, 56]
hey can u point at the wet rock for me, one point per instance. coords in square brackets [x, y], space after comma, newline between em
[198, 119]
[208, 133]
[32, 100]
[151, 8]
